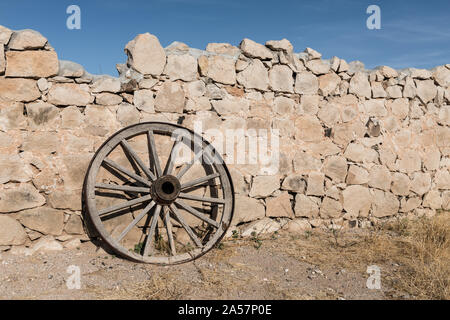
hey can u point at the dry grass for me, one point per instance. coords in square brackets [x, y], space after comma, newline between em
[415, 255]
[159, 287]
[423, 251]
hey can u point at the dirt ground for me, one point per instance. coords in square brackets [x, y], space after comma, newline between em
[313, 265]
[236, 270]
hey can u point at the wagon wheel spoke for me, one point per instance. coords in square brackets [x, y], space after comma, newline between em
[122, 188]
[152, 153]
[172, 156]
[199, 181]
[136, 220]
[126, 171]
[150, 237]
[129, 203]
[135, 156]
[200, 198]
[190, 164]
[168, 224]
[185, 226]
[196, 213]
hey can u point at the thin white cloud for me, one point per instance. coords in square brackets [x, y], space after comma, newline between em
[406, 31]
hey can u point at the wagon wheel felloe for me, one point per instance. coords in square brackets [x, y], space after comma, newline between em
[158, 193]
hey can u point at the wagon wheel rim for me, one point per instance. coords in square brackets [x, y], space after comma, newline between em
[158, 195]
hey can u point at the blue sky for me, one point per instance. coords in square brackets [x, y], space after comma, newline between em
[412, 34]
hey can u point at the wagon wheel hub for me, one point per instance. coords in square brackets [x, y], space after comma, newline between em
[165, 190]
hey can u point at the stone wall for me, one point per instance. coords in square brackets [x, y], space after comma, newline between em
[356, 145]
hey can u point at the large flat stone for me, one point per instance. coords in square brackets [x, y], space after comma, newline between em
[360, 86]
[306, 207]
[22, 197]
[146, 55]
[42, 115]
[308, 129]
[263, 186]
[357, 201]
[335, 167]
[11, 116]
[69, 94]
[253, 49]
[11, 232]
[31, 64]
[183, 67]
[14, 169]
[384, 204]
[26, 40]
[218, 68]
[279, 206]
[44, 219]
[170, 98]
[23, 90]
[255, 76]
[247, 209]
[281, 78]
[306, 83]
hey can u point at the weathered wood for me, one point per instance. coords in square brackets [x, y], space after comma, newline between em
[189, 165]
[196, 213]
[168, 224]
[199, 181]
[150, 237]
[122, 188]
[152, 153]
[200, 198]
[186, 227]
[172, 156]
[129, 203]
[141, 164]
[136, 220]
[126, 171]
[151, 199]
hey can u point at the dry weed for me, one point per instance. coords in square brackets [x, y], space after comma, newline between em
[419, 248]
[159, 287]
[414, 257]
[423, 251]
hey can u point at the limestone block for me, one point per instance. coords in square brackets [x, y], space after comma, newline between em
[26, 40]
[31, 64]
[264, 186]
[146, 55]
[182, 67]
[11, 232]
[255, 50]
[279, 206]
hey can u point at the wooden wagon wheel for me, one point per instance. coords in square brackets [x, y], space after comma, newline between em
[151, 213]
